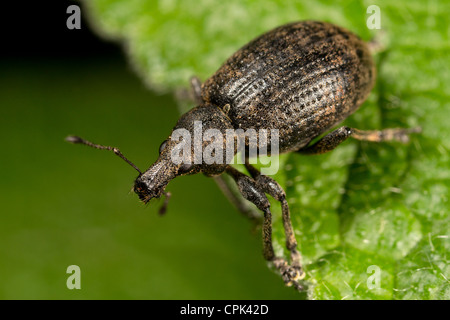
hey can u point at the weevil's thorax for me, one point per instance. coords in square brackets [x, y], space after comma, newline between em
[207, 130]
[302, 79]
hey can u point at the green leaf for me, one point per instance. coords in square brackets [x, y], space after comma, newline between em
[364, 204]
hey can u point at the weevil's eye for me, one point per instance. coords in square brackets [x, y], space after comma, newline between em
[162, 146]
[185, 168]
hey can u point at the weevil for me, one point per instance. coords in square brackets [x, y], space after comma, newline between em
[301, 79]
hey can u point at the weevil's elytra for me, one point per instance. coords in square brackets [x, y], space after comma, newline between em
[301, 79]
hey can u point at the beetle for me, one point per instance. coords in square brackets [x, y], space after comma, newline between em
[301, 79]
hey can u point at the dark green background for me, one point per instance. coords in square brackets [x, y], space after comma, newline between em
[66, 204]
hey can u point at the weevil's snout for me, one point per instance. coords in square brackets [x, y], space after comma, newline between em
[146, 192]
[151, 184]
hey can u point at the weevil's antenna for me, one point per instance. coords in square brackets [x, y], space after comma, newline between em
[75, 139]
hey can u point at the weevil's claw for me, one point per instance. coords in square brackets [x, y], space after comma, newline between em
[291, 274]
[403, 135]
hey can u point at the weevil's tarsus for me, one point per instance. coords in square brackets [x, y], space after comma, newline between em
[336, 137]
[79, 140]
[391, 134]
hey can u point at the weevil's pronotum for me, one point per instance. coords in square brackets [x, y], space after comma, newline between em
[301, 79]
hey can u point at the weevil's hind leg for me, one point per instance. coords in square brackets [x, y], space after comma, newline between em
[196, 90]
[250, 191]
[336, 137]
[271, 187]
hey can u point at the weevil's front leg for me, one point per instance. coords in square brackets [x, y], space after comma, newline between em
[271, 187]
[250, 191]
[234, 197]
[336, 137]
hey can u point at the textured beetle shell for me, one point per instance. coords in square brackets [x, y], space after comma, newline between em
[301, 78]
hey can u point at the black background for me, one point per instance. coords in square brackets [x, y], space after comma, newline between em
[37, 29]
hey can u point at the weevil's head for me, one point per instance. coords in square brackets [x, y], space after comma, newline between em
[196, 144]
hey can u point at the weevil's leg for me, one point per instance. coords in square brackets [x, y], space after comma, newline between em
[250, 191]
[233, 195]
[336, 137]
[196, 89]
[375, 45]
[271, 187]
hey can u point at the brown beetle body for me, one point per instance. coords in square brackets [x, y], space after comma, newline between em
[301, 78]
